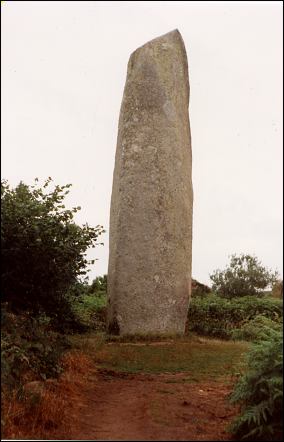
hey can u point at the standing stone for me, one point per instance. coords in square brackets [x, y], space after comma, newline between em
[149, 275]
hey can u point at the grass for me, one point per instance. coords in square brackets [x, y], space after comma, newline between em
[201, 357]
[143, 337]
[197, 358]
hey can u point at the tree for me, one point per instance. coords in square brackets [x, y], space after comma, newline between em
[43, 250]
[99, 285]
[244, 276]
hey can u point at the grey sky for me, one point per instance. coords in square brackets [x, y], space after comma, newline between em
[63, 73]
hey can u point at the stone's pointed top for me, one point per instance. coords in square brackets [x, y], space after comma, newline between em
[170, 34]
[175, 32]
[162, 53]
[174, 35]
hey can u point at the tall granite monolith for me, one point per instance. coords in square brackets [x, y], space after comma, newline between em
[149, 275]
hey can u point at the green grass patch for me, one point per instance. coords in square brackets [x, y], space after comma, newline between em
[202, 358]
[144, 337]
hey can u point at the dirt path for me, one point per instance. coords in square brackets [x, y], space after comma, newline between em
[151, 407]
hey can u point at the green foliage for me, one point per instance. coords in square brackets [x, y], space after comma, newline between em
[29, 346]
[219, 317]
[99, 285]
[245, 276]
[89, 303]
[43, 250]
[257, 328]
[90, 310]
[260, 391]
[201, 358]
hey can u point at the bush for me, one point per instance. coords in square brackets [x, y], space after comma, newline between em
[257, 328]
[89, 303]
[43, 250]
[218, 317]
[90, 310]
[29, 349]
[260, 392]
[245, 276]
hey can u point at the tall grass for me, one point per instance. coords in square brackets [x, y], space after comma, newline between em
[38, 415]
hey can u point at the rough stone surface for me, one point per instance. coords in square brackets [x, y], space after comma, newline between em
[149, 275]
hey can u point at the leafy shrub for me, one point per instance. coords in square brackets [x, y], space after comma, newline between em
[245, 276]
[43, 251]
[90, 310]
[260, 391]
[218, 317]
[257, 328]
[29, 348]
[89, 303]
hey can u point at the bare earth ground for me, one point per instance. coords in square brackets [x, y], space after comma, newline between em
[123, 406]
[169, 390]
[154, 390]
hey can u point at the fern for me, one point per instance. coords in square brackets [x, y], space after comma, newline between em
[260, 391]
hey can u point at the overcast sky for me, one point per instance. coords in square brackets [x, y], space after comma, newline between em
[63, 73]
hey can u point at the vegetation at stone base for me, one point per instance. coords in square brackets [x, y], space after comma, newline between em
[199, 357]
[90, 311]
[260, 390]
[43, 250]
[209, 315]
[90, 303]
[244, 276]
[145, 337]
[222, 318]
